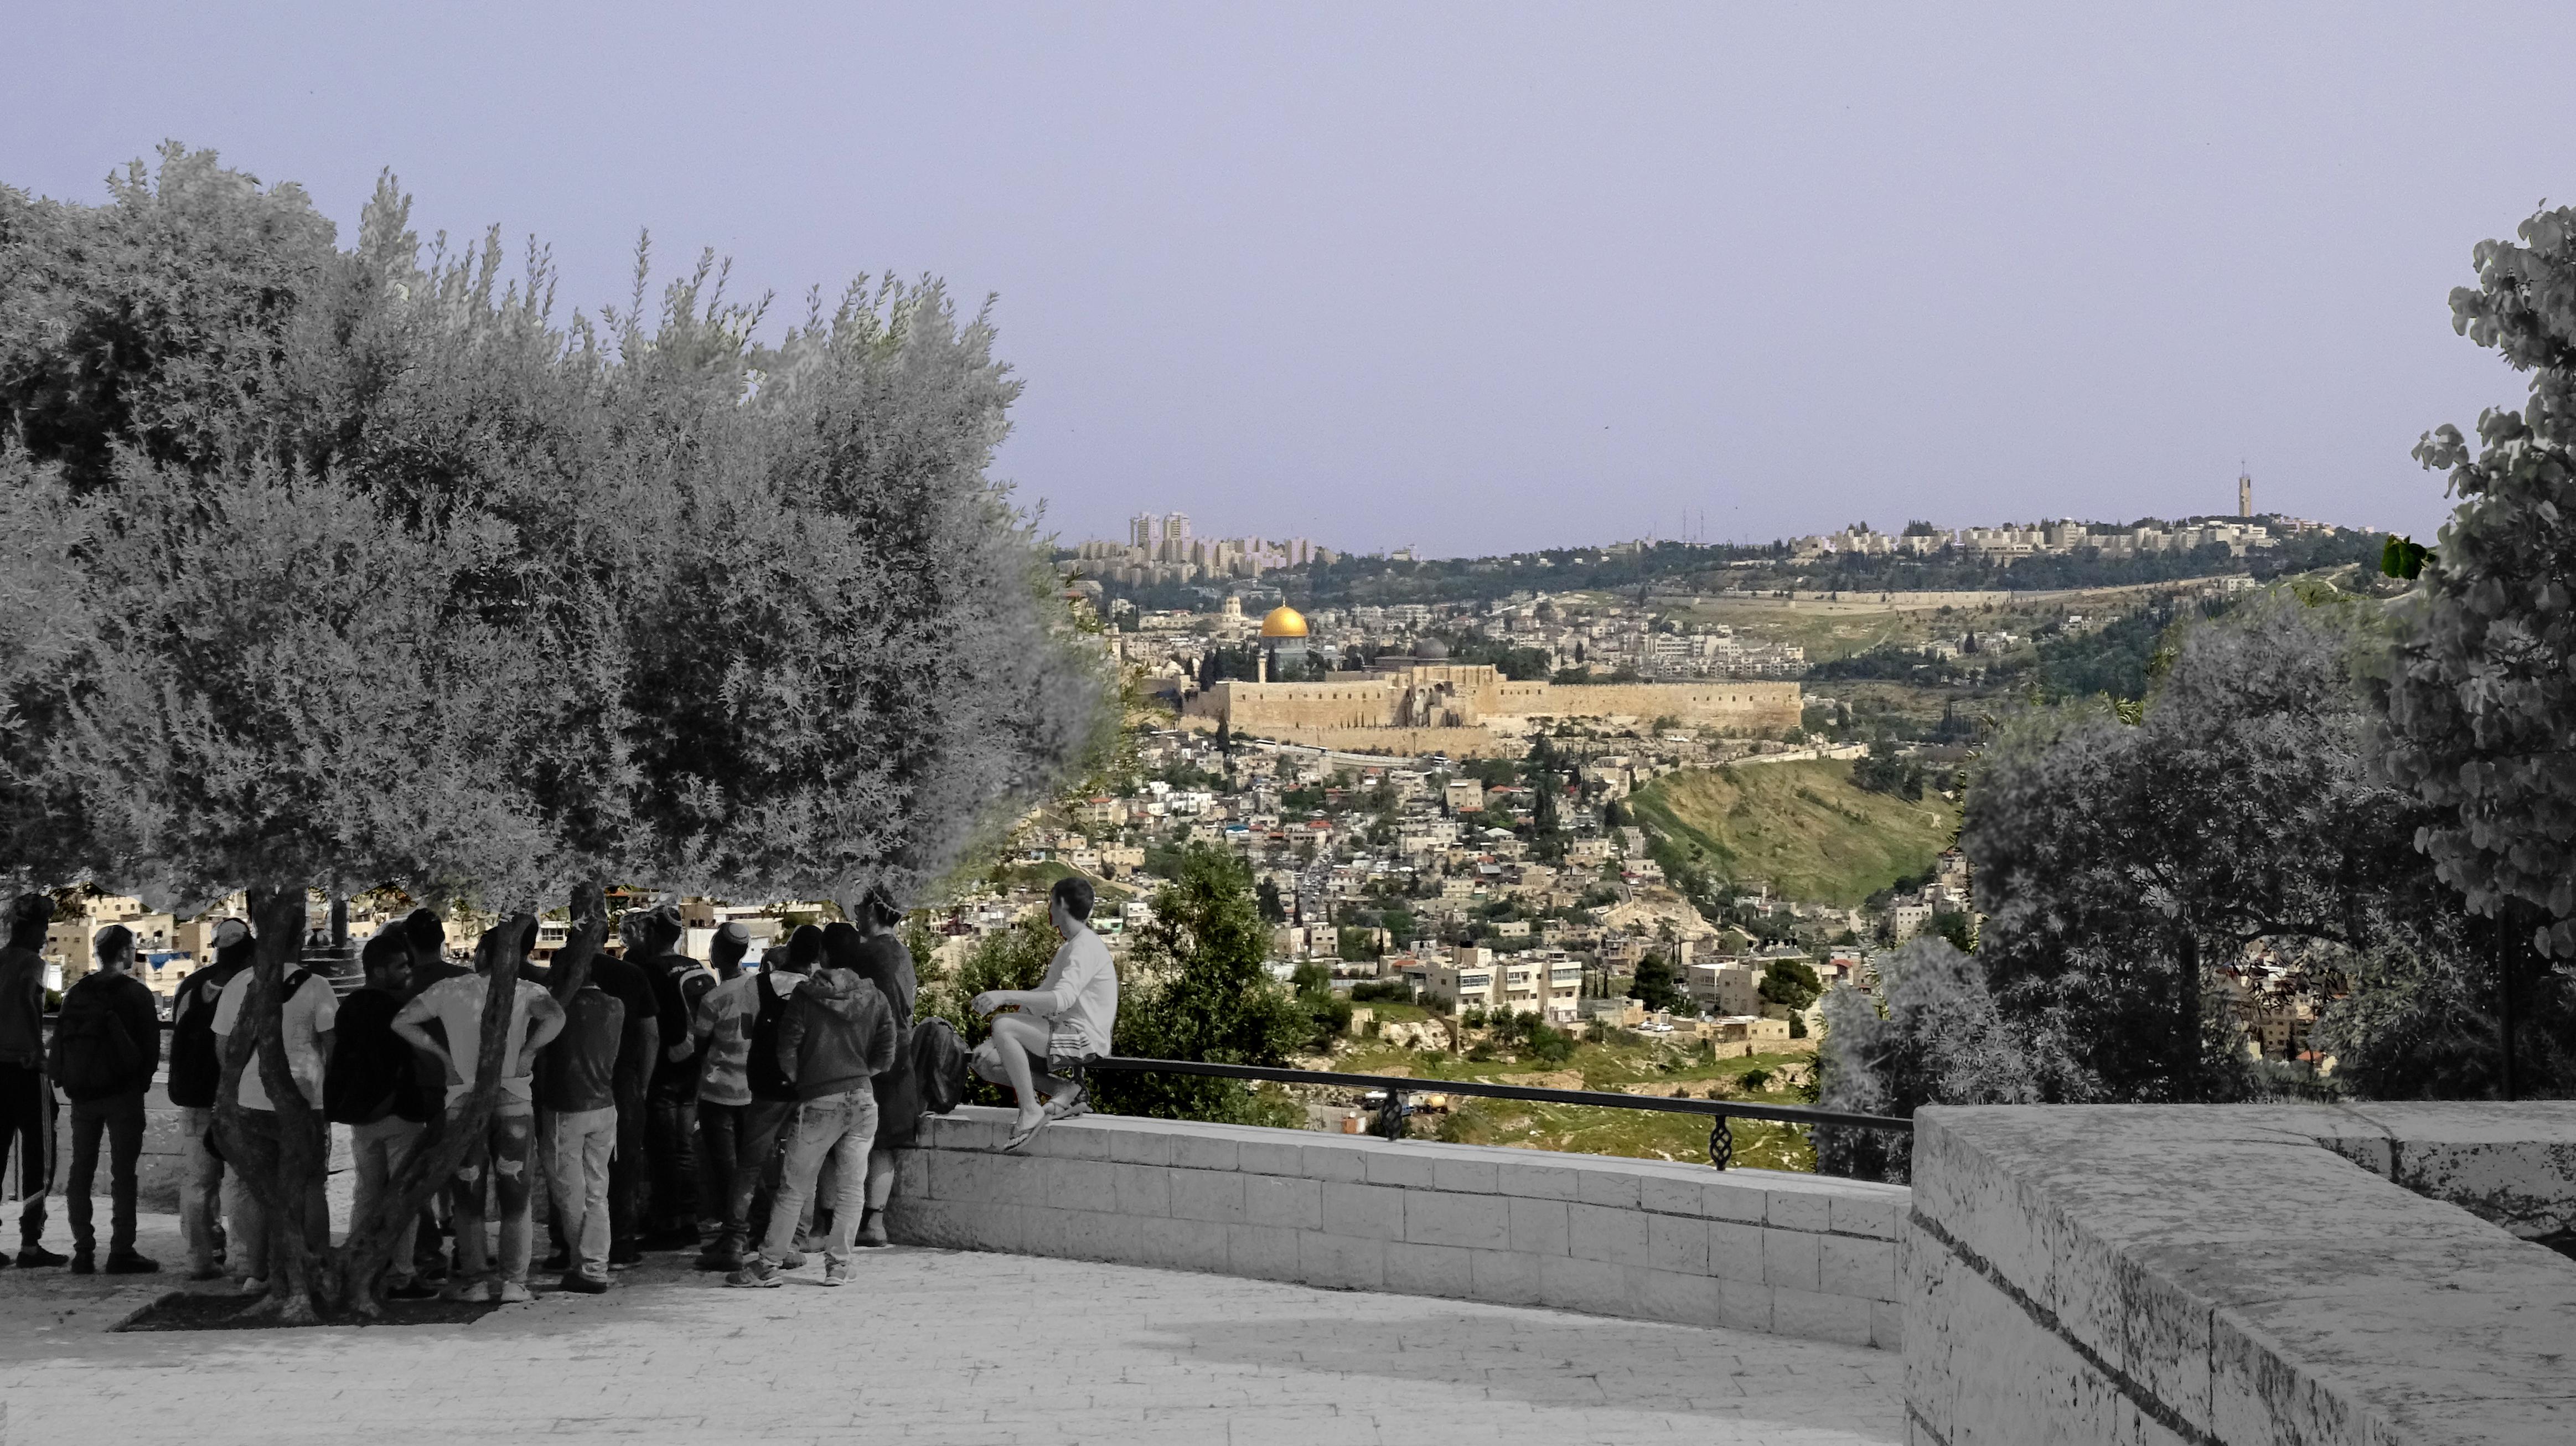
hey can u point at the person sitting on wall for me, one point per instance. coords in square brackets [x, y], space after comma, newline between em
[1069, 1016]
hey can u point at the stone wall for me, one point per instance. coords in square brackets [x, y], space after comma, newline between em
[1797, 1255]
[1719, 703]
[2231, 1274]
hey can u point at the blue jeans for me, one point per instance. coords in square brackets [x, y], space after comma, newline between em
[839, 1128]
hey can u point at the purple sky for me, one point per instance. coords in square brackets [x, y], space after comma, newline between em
[1485, 277]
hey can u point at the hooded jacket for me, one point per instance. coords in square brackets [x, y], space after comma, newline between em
[837, 1035]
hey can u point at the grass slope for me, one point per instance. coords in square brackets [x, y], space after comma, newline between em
[1803, 827]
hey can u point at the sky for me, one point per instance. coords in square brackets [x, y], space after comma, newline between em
[1483, 277]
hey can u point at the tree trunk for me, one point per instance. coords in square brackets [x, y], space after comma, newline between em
[453, 1129]
[305, 1284]
[2508, 958]
[2187, 1063]
[278, 1171]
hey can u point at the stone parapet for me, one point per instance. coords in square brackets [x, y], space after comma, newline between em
[1795, 1255]
[2240, 1275]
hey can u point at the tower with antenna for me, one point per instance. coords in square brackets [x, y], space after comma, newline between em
[2244, 493]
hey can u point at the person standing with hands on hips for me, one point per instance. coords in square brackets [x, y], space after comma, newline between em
[1071, 1014]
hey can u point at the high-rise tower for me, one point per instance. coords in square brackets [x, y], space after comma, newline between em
[2244, 494]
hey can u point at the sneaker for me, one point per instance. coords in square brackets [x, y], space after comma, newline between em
[83, 1264]
[757, 1273]
[720, 1256]
[466, 1290]
[32, 1255]
[126, 1262]
[580, 1284]
[254, 1285]
[411, 1290]
[624, 1253]
[793, 1260]
[558, 1262]
[835, 1272]
[872, 1229]
[511, 1292]
[207, 1272]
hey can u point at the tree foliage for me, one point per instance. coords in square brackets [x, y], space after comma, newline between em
[1931, 1034]
[1198, 989]
[2481, 694]
[2120, 864]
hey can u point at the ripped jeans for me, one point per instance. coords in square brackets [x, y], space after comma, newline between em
[503, 1150]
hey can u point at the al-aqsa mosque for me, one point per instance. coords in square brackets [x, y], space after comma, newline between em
[1425, 700]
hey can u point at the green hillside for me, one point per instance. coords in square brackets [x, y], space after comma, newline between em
[1803, 827]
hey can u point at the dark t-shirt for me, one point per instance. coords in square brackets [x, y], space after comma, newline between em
[372, 1073]
[679, 982]
[627, 985]
[578, 1071]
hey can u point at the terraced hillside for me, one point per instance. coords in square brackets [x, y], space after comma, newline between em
[1804, 827]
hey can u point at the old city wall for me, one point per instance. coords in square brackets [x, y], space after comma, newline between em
[1723, 703]
[1259, 707]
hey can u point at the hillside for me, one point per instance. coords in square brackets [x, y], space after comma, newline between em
[1803, 827]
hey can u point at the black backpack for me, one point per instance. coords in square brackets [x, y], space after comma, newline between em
[939, 1065]
[196, 1065]
[94, 1057]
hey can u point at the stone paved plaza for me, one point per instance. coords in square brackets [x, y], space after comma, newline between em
[1101, 1353]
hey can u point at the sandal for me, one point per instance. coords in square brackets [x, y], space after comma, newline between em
[1027, 1132]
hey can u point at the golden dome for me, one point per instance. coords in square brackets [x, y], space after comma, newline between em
[1284, 622]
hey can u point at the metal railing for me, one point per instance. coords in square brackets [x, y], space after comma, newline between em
[1397, 1088]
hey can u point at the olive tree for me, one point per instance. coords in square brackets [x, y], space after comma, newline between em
[435, 591]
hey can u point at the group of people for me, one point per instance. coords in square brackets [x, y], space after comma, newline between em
[661, 1103]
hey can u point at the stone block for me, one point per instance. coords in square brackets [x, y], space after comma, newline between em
[1807, 1210]
[1082, 1185]
[1343, 1163]
[1481, 1222]
[1789, 1260]
[1372, 1212]
[1606, 1233]
[1608, 1185]
[1271, 1157]
[1810, 1315]
[1468, 1177]
[1665, 1296]
[1538, 1181]
[1295, 1204]
[1341, 1262]
[1440, 1270]
[1194, 1151]
[1537, 1227]
[1872, 1216]
[1571, 1283]
[1073, 1140]
[1261, 1252]
[1677, 1244]
[1505, 1277]
[1187, 1244]
[1091, 1235]
[1143, 1189]
[1863, 1268]
[1207, 1195]
[1743, 1305]
[1396, 1165]
[1735, 1251]
[1141, 1147]
[1887, 1325]
[912, 1173]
